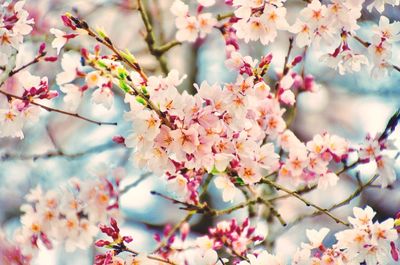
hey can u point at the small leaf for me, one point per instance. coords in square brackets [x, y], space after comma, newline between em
[239, 181]
[141, 100]
[127, 55]
[124, 86]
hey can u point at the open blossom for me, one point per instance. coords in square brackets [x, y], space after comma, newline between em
[61, 38]
[74, 71]
[376, 150]
[365, 242]
[16, 113]
[71, 216]
[264, 27]
[192, 27]
[15, 24]
[228, 188]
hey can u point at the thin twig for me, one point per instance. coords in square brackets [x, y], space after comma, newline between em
[150, 39]
[299, 197]
[49, 109]
[141, 178]
[352, 196]
[59, 153]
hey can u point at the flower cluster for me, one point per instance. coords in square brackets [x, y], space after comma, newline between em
[96, 80]
[376, 150]
[117, 245]
[366, 242]
[259, 20]
[14, 25]
[15, 113]
[237, 238]
[217, 128]
[332, 24]
[380, 49]
[307, 163]
[69, 216]
[190, 28]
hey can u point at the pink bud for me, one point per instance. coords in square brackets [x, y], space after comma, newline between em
[167, 229]
[266, 60]
[127, 239]
[42, 48]
[51, 58]
[296, 60]
[114, 224]
[308, 83]
[68, 22]
[185, 229]
[97, 49]
[119, 139]
[394, 251]
[101, 243]
[85, 53]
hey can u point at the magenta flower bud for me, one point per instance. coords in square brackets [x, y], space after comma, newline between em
[68, 22]
[171, 240]
[394, 251]
[118, 139]
[101, 243]
[308, 82]
[167, 229]
[127, 239]
[250, 231]
[245, 223]
[266, 60]
[51, 58]
[185, 229]
[97, 49]
[114, 225]
[42, 48]
[85, 53]
[46, 241]
[296, 60]
[157, 237]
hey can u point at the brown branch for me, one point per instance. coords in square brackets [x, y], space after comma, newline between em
[286, 66]
[223, 16]
[150, 39]
[34, 61]
[49, 109]
[346, 201]
[304, 200]
[59, 153]
[366, 44]
[187, 217]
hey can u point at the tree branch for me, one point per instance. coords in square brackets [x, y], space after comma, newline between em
[150, 39]
[306, 202]
[49, 109]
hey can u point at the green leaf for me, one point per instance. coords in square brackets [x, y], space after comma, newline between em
[141, 100]
[124, 86]
[122, 73]
[239, 181]
[144, 90]
[127, 55]
[101, 33]
[101, 64]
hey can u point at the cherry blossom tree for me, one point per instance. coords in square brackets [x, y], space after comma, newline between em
[204, 141]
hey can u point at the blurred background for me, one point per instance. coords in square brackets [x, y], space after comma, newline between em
[350, 106]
